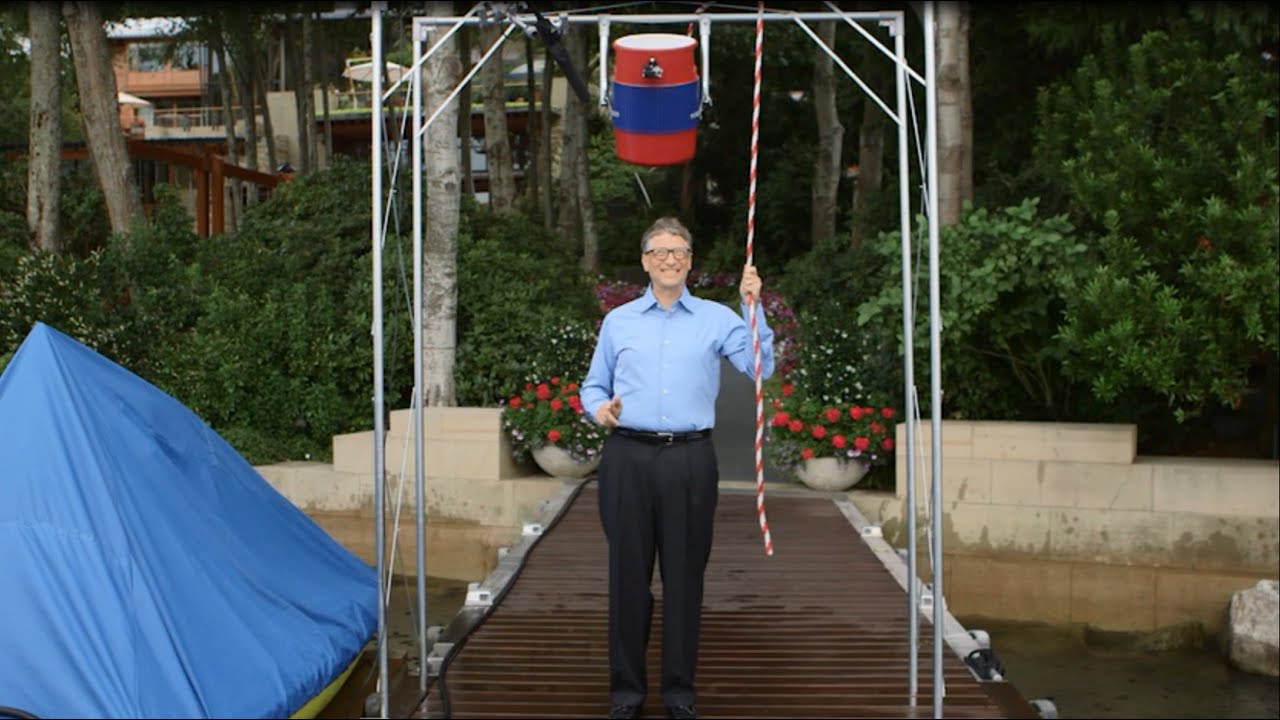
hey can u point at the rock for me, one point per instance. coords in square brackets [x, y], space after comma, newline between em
[1253, 627]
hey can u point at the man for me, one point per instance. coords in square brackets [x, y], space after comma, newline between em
[654, 378]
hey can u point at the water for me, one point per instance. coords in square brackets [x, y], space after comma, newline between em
[1113, 677]
[444, 599]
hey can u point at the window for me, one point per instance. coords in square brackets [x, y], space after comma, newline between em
[153, 57]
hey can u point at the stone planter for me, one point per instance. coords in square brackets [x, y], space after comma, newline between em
[556, 462]
[831, 474]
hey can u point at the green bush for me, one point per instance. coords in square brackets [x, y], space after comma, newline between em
[524, 310]
[1167, 154]
[1004, 280]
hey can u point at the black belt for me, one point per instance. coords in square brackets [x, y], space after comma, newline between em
[662, 438]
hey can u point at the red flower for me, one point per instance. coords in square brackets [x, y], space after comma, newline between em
[543, 392]
[887, 444]
[555, 381]
[855, 412]
[886, 412]
[806, 453]
[786, 390]
[1204, 244]
[553, 435]
[876, 428]
[861, 443]
[795, 426]
[832, 414]
[514, 402]
[556, 404]
[575, 402]
[571, 387]
[838, 441]
[819, 432]
[781, 419]
[528, 386]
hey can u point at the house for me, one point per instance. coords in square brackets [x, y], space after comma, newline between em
[171, 105]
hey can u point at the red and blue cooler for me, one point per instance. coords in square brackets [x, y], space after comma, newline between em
[655, 101]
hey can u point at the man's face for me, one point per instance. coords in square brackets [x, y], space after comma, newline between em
[668, 272]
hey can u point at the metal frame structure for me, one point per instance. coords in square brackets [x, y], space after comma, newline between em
[511, 15]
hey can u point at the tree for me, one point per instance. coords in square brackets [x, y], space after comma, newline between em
[497, 145]
[826, 162]
[440, 253]
[98, 104]
[955, 111]
[576, 209]
[44, 189]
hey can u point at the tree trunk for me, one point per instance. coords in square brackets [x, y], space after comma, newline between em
[100, 107]
[307, 121]
[219, 49]
[547, 150]
[260, 86]
[464, 113]
[826, 163]
[440, 248]
[320, 47]
[572, 149]
[532, 182]
[44, 187]
[244, 90]
[955, 112]
[869, 178]
[497, 144]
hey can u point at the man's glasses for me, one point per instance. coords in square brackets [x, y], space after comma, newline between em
[663, 253]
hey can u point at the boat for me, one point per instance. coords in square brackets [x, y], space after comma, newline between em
[148, 569]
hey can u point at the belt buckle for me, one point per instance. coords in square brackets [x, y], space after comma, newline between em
[666, 438]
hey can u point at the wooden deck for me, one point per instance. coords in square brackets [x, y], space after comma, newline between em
[818, 630]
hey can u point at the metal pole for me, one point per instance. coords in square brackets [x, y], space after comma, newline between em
[935, 351]
[378, 429]
[417, 403]
[908, 366]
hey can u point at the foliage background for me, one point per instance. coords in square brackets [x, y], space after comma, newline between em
[1119, 262]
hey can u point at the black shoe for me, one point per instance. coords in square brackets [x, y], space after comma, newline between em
[624, 711]
[682, 712]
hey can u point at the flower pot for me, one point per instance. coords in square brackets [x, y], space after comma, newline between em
[557, 462]
[830, 473]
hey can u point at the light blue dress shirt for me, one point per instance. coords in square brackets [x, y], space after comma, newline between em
[664, 364]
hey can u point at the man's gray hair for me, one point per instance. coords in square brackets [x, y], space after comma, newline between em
[665, 225]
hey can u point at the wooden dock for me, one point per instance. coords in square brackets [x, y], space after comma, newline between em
[818, 630]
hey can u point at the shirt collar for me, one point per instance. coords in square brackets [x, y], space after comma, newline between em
[686, 301]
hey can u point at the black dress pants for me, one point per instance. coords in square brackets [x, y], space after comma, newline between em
[656, 497]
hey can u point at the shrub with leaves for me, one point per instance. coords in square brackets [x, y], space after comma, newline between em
[1172, 165]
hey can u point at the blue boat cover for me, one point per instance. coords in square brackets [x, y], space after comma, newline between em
[146, 569]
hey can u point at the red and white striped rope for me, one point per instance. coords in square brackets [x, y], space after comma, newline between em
[751, 307]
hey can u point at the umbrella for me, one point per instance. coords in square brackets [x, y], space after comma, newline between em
[363, 71]
[125, 98]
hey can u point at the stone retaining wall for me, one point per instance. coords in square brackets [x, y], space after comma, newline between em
[1064, 523]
